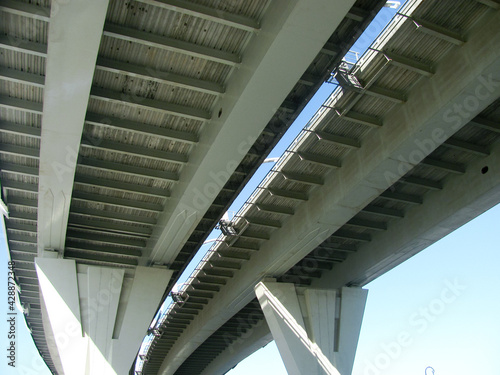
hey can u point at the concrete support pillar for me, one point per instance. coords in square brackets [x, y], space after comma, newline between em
[100, 310]
[59, 291]
[316, 330]
[97, 316]
[145, 296]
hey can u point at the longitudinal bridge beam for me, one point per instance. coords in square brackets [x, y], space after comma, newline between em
[292, 34]
[74, 37]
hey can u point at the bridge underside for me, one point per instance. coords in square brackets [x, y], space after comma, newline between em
[403, 153]
[128, 128]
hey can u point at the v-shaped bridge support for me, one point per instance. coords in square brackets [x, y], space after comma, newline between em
[316, 330]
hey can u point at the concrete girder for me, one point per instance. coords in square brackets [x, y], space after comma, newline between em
[439, 31]
[275, 209]
[27, 216]
[263, 222]
[112, 226]
[156, 75]
[25, 10]
[308, 79]
[129, 149]
[331, 49]
[319, 159]
[29, 152]
[24, 46]
[103, 64]
[140, 36]
[74, 37]
[100, 94]
[307, 179]
[463, 198]
[138, 127]
[337, 139]
[19, 169]
[449, 167]
[485, 124]
[490, 3]
[292, 34]
[133, 218]
[254, 235]
[22, 238]
[76, 245]
[121, 186]
[409, 64]
[170, 44]
[150, 104]
[181, 6]
[401, 197]
[361, 118]
[115, 201]
[466, 146]
[367, 224]
[21, 105]
[13, 128]
[295, 195]
[353, 236]
[128, 169]
[377, 91]
[207, 13]
[18, 76]
[23, 202]
[357, 14]
[429, 116]
[422, 182]
[108, 239]
[19, 186]
[384, 93]
[383, 211]
[22, 227]
[110, 260]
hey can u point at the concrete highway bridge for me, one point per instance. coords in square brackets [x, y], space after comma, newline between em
[128, 127]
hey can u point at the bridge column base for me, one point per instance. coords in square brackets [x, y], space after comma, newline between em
[316, 330]
[95, 317]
